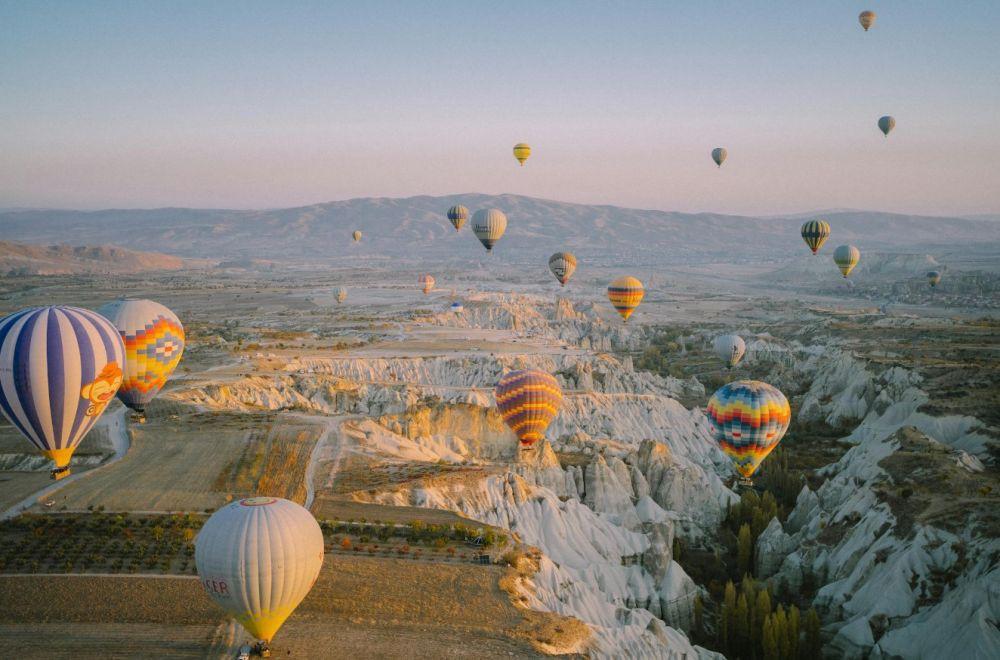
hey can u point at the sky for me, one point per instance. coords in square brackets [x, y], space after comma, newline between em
[275, 104]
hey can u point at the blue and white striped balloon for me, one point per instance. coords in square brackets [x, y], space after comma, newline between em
[59, 369]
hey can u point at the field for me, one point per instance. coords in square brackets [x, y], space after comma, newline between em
[432, 610]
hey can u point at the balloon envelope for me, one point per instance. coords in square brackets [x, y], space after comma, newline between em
[341, 294]
[933, 277]
[528, 401]
[426, 282]
[846, 257]
[258, 558]
[357, 236]
[730, 348]
[625, 293]
[886, 124]
[867, 19]
[719, 155]
[562, 265]
[521, 152]
[154, 343]
[456, 307]
[59, 369]
[815, 233]
[458, 214]
[489, 225]
[748, 419]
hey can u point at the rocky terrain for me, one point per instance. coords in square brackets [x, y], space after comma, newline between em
[18, 259]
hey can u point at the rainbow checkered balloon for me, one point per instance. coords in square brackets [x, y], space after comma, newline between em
[528, 401]
[154, 343]
[749, 418]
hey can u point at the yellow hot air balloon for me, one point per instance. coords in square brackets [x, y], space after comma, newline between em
[867, 19]
[528, 401]
[846, 257]
[357, 236]
[521, 152]
[815, 233]
[258, 558]
[625, 293]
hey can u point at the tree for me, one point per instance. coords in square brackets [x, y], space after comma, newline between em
[793, 632]
[699, 608]
[768, 640]
[742, 622]
[727, 621]
[759, 614]
[781, 632]
[812, 647]
[744, 550]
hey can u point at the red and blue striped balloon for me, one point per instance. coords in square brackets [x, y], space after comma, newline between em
[59, 369]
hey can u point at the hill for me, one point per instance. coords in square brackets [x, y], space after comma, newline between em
[21, 259]
[416, 226]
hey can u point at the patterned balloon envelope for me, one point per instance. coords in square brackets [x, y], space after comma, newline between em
[749, 418]
[457, 215]
[528, 401]
[815, 233]
[154, 343]
[59, 369]
[489, 226]
[562, 265]
[426, 283]
[625, 293]
[846, 257]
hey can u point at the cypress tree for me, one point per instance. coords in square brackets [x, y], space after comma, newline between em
[761, 610]
[813, 645]
[768, 640]
[793, 631]
[743, 626]
[726, 617]
[744, 550]
[781, 632]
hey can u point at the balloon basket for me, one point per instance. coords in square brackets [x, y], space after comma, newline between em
[745, 482]
[139, 417]
[59, 473]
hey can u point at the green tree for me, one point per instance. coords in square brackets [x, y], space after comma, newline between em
[699, 614]
[727, 622]
[744, 550]
[812, 646]
[769, 641]
[793, 631]
[742, 624]
[759, 614]
[781, 632]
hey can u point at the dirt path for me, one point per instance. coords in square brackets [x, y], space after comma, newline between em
[332, 437]
[118, 432]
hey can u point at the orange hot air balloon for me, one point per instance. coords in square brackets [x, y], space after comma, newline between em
[625, 293]
[528, 401]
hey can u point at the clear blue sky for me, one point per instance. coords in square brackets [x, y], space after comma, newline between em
[265, 104]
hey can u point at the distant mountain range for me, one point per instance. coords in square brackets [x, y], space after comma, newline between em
[416, 227]
[20, 259]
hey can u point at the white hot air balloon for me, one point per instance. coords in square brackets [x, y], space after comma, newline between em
[489, 225]
[258, 558]
[730, 348]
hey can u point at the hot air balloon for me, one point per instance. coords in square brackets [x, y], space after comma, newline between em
[356, 235]
[521, 152]
[886, 124]
[528, 401]
[867, 19]
[815, 233]
[933, 277]
[341, 294]
[59, 369]
[154, 343]
[456, 307]
[258, 558]
[719, 155]
[748, 419]
[625, 293]
[562, 265]
[730, 348]
[427, 282]
[458, 214]
[489, 225]
[846, 257]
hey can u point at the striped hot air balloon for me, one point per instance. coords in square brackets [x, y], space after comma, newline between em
[457, 215]
[426, 282]
[562, 265]
[748, 418]
[528, 401]
[625, 293]
[258, 558]
[154, 343]
[521, 152]
[489, 225]
[59, 369]
[356, 236]
[867, 19]
[846, 257]
[815, 233]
